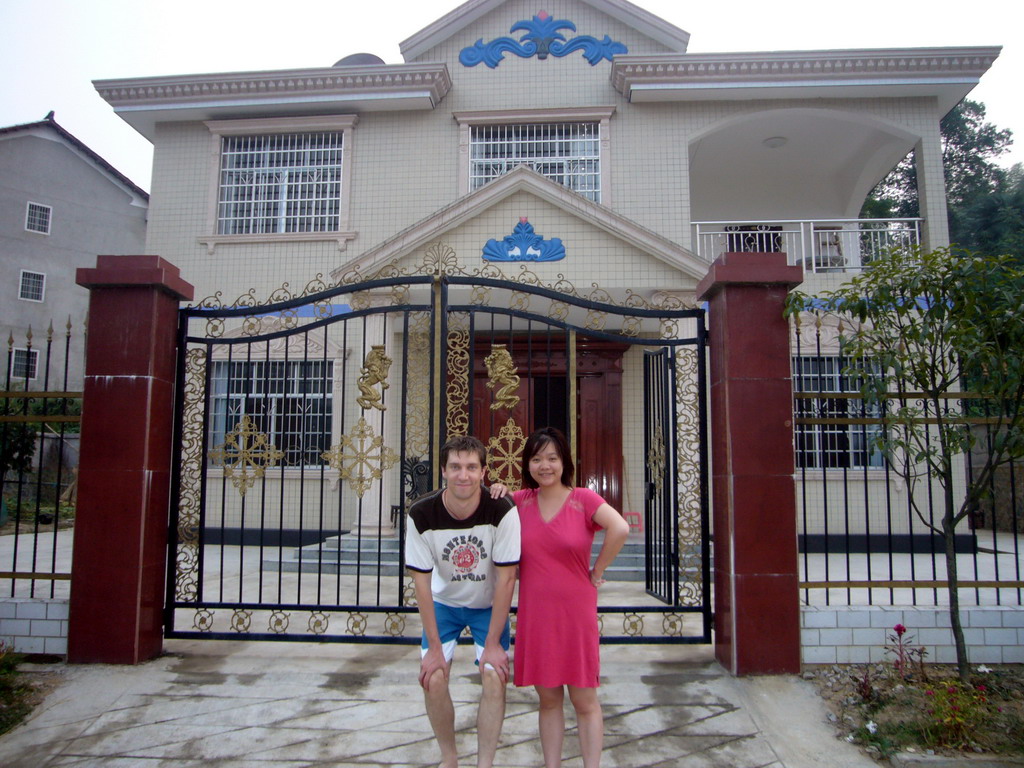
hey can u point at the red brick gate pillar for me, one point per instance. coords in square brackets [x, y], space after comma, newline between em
[757, 612]
[120, 543]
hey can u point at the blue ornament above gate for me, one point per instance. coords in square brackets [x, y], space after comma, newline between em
[524, 245]
[541, 39]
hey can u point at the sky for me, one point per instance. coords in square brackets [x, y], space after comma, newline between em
[52, 50]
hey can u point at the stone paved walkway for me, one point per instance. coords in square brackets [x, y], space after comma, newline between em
[285, 704]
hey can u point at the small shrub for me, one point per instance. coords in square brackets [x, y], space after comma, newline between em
[956, 713]
[14, 695]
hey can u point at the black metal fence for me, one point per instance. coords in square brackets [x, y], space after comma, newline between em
[40, 411]
[866, 535]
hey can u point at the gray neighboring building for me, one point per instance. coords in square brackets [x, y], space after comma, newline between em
[61, 204]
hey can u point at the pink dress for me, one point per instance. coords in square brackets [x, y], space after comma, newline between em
[556, 627]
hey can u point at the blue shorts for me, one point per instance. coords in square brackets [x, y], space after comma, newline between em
[450, 623]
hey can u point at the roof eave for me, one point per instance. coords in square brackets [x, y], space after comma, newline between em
[947, 74]
[144, 102]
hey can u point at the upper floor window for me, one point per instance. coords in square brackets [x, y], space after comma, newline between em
[24, 364]
[568, 146]
[846, 428]
[280, 183]
[282, 177]
[37, 218]
[33, 286]
[567, 153]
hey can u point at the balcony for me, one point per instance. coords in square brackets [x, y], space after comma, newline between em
[832, 245]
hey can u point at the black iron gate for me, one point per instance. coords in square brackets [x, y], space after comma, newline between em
[306, 424]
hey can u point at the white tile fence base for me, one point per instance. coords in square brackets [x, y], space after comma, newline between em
[33, 625]
[829, 635]
[858, 634]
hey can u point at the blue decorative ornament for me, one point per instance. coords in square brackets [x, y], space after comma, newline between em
[542, 37]
[524, 245]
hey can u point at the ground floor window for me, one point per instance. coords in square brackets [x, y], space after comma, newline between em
[289, 401]
[846, 440]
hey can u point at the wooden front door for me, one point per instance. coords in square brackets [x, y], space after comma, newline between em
[543, 369]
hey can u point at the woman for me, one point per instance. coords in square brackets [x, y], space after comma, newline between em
[557, 637]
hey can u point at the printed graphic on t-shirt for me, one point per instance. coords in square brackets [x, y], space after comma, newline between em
[465, 553]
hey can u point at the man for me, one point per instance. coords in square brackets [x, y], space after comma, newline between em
[462, 548]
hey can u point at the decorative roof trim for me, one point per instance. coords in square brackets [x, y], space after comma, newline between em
[522, 178]
[469, 12]
[232, 88]
[795, 67]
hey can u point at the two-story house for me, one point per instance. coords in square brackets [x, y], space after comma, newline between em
[587, 123]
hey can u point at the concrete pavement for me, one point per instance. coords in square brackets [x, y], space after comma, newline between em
[237, 704]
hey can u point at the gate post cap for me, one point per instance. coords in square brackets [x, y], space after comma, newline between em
[738, 268]
[137, 270]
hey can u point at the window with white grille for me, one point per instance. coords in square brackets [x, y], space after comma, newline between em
[567, 153]
[33, 286]
[849, 444]
[280, 183]
[24, 364]
[289, 401]
[37, 218]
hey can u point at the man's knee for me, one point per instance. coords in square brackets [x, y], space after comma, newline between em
[437, 683]
[490, 678]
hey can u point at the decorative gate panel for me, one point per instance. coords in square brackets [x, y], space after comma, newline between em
[307, 423]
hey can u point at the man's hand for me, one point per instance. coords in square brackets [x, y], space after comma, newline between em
[496, 656]
[429, 664]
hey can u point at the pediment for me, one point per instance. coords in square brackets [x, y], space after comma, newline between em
[647, 24]
[495, 208]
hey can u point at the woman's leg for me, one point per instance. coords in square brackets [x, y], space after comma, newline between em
[589, 722]
[552, 724]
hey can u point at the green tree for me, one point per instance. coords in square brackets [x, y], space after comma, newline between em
[970, 146]
[17, 440]
[926, 320]
[995, 223]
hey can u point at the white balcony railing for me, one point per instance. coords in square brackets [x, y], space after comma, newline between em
[833, 245]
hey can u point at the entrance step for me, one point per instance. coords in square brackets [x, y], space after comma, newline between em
[349, 555]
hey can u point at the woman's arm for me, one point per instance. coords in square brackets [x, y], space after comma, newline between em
[616, 529]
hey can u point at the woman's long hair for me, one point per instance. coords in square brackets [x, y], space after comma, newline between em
[535, 442]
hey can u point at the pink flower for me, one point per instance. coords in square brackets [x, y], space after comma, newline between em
[899, 629]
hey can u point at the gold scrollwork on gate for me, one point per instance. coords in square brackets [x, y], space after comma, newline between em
[417, 396]
[318, 622]
[656, 459]
[190, 472]
[203, 620]
[356, 624]
[361, 457]
[688, 479]
[245, 454]
[633, 625]
[502, 378]
[241, 620]
[373, 374]
[457, 386]
[505, 452]
[278, 622]
[394, 624]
